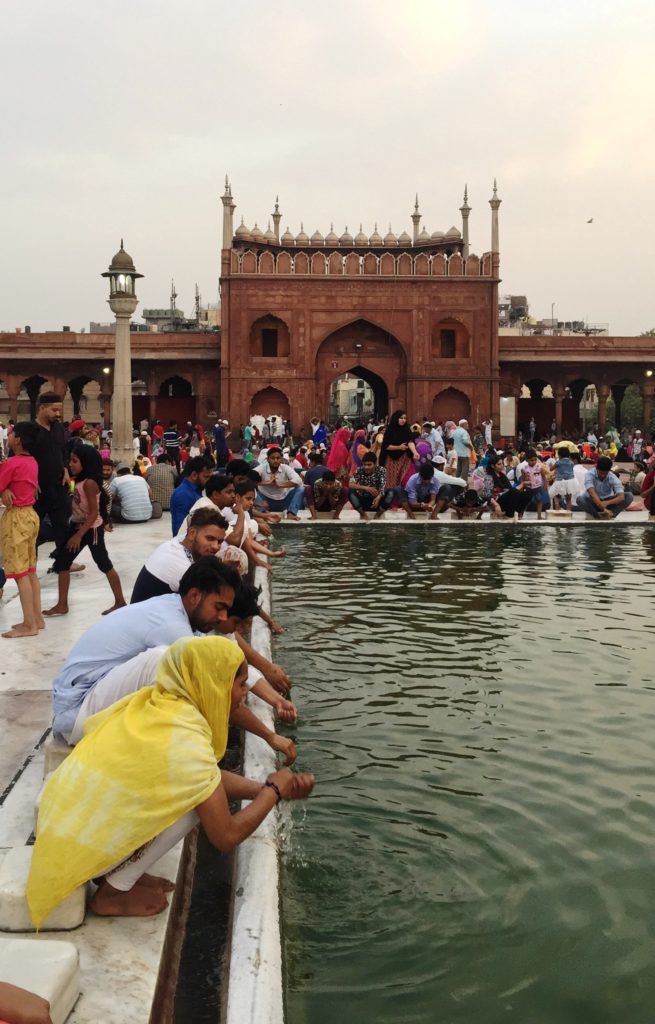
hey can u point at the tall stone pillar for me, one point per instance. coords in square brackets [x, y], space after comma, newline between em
[465, 211]
[618, 391]
[228, 212]
[105, 398]
[13, 385]
[560, 395]
[494, 203]
[603, 395]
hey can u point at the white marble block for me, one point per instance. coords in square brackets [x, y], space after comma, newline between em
[14, 912]
[559, 513]
[55, 752]
[49, 969]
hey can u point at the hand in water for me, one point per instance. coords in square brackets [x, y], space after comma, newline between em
[293, 786]
[285, 746]
[278, 679]
[287, 711]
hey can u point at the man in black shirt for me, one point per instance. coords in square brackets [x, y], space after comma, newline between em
[51, 454]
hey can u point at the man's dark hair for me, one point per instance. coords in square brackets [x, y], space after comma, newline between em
[531, 454]
[28, 433]
[604, 463]
[316, 458]
[254, 476]
[329, 476]
[49, 398]
[369, 457]
[207, 517]
[563, 452]
[196, 464]
[448, 442]
[217, 482]
[209, 575]
[273, 448]
[172, 423]
[108, 462]
[161, 458]
[426, 472]
[237, 467]
[246, 602]
[247, 487]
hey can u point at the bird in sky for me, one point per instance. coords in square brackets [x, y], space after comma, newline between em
[590, 221]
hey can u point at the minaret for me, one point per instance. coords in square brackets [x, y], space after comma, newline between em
[277, 217]
[494, 203]
[465, 209]
[229, 206]
[416, 220]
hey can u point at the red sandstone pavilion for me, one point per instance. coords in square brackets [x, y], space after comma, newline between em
[416, 317]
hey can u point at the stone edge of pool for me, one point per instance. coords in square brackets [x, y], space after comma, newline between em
[255, 989]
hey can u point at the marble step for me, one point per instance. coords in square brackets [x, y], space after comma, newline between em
[49, 969]
[14, 912]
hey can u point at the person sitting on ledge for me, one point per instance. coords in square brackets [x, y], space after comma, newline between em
[604, 497]
[468, 505]
[167, 564]
[422, 489]
[148, 766]
[368, 488]
[326, 495]
[130, 494]
[196, 474]
[281, 488]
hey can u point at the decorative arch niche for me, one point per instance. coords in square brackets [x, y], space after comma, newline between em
[270, 338]
[451, 404]
[450, 340]
[270, 401]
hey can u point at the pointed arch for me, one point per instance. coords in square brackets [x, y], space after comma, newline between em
[451, 404]
[270, 401]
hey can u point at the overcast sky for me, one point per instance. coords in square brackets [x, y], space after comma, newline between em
[121, 119]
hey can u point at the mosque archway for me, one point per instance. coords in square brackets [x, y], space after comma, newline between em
[358, 394]
[365, 359]
[270, 402]
[451, 404]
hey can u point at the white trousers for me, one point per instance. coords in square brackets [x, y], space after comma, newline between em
[129, 871]
[126, 678]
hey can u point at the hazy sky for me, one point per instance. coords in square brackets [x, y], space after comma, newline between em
[123, 118]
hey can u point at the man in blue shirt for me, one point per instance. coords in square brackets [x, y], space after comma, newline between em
[422, 489]
[196, 474]
[122, 650]
[463, 449]
[604, 497]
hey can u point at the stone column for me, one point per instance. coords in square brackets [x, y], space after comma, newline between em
[122, 423]
[618, 391]
[603, 395]
[13, 385]
[560, 395]
[105, 398]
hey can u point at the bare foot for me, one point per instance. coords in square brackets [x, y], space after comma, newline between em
[20, 630]
[294, 518]
[114, 607]
[140, 901]
[40, 624]
[57, 609]
[76, 567]
[156, 882]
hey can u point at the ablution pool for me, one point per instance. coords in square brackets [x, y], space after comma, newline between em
[478, 706]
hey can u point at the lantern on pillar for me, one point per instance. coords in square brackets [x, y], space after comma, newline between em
[122, 277]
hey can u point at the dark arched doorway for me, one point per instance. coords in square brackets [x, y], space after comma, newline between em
[371, 357]
[270, 402]
[451, 404]
[359, 394]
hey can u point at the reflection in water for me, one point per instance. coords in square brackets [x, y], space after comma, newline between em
[478, 707]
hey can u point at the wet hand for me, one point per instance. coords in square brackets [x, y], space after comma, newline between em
[277, 629]
[293, 786]
[286, 710]
[286, 746]
[278, 679]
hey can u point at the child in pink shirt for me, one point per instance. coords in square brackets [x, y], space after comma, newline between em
[19, 527]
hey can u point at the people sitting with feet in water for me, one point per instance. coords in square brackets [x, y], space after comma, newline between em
[604, 496]
[564, 485]
[536, 482]
[368, 488]
[86, 528]
[149, 768]
[19, 527]
[468, 504]
[281, 487]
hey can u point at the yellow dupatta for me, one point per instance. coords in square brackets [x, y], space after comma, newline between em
[143, 763]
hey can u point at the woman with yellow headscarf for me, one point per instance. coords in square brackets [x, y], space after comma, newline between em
[142, 777]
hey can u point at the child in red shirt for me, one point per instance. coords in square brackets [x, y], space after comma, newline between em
[19, 527]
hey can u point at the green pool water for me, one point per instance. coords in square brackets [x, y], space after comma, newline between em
[478, 706]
